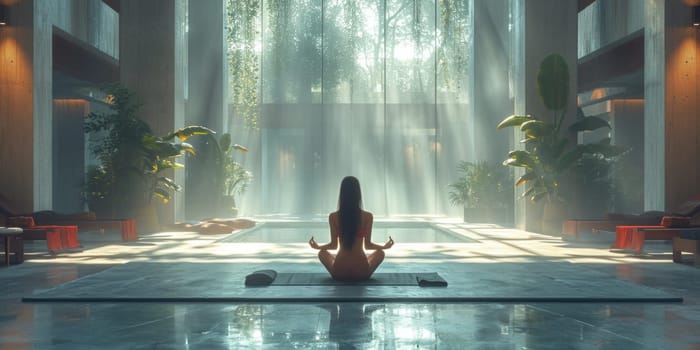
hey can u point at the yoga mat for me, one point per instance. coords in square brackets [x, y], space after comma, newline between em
[378, 279]
[529, 282]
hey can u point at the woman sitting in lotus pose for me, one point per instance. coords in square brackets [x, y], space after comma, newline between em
[352, 226]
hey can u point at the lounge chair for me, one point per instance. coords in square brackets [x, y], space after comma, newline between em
[682, 216]
[57, 237]
[87, 221]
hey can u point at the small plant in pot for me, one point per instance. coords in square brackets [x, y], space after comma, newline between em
[484, 190]
[234, 177]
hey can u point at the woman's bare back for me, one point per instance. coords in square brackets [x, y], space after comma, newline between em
[352, 263]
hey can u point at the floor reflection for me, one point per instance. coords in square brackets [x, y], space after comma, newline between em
[350, 324]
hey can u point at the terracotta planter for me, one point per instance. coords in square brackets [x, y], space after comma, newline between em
[227, 207]
[146, 218]
[553, 216]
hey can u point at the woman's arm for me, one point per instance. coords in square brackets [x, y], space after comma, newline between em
[333, 245]
[369, 245]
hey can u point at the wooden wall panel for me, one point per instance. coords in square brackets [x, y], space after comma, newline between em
[16, 108]
[682, 106]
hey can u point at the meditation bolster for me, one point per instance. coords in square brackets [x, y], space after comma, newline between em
[261, 278]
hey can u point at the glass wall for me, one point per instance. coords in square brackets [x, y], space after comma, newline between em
[378, 89]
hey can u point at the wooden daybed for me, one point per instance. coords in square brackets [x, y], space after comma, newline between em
[87, 221]
[573, 227]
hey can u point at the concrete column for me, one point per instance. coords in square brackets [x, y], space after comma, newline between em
[654, 104]
[42, 83]
[206, 97]
[490, 88]
[152, 65]
[540, 27]
[671, 87]
[206, 81]
[68, 154]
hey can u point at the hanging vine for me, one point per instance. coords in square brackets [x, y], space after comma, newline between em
[244, 66]
[280, 39]
[453, 42]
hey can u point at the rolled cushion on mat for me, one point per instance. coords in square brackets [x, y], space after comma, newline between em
[431, 280]
[260, 278]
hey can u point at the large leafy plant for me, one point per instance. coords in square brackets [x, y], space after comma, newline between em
[550, 151]
[230, 177]
[226, 178]
[236, 177]
[133, 160]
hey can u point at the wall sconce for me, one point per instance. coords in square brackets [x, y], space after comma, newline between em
[696, 16]
[3, 15]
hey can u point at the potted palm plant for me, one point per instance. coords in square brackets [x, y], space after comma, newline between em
[550, 150]
[484, 190]
[233, 179]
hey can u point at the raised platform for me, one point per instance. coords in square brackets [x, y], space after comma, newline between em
[544, 281]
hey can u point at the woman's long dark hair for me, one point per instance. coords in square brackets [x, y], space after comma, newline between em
[349, 204]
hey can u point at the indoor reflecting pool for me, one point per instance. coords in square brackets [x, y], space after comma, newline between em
[299, 233]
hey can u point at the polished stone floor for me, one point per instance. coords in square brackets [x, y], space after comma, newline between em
[341, 325]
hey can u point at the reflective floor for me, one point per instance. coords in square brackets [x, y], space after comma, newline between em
[350, 325]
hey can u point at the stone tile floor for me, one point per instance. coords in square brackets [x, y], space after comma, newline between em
[350, 325]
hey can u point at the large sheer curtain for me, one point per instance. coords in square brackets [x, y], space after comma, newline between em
[378, 89]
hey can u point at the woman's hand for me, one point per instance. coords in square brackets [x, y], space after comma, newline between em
[389, 243]
[313, 243]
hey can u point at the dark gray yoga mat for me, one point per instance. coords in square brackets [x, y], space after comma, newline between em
[378, 279]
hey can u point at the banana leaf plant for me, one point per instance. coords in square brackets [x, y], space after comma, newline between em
[230, 178]
[550, 151]
[161, 153]
[236, 177]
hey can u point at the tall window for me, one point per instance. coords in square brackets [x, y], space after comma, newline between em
[320, 89]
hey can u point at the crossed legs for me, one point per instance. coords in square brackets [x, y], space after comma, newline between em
[328, 261]
[374, 260]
